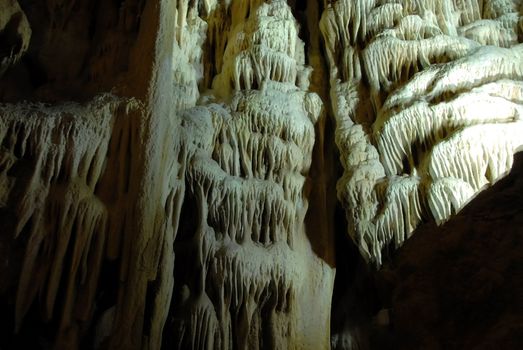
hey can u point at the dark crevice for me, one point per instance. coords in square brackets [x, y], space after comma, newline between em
[354, 299]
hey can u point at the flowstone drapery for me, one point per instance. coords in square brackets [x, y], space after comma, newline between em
[212, 176]
[427, 101]
[251, 273]
[167, 172]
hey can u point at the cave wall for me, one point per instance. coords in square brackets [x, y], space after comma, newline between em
[426, 97]
[168, 168]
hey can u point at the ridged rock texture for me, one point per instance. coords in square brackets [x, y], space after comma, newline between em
[427, 101]
[168, 168]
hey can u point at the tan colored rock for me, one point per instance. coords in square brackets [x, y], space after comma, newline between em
[176, 192]
[426, 114]
[254, 273]
[215, 178]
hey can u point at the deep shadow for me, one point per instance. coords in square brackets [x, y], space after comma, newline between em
[460, 285]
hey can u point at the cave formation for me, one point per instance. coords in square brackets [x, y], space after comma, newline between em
[249, 174]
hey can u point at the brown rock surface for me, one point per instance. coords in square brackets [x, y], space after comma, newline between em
[460, 286]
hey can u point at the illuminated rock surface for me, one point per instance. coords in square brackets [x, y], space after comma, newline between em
[426, 113]
[168, 169]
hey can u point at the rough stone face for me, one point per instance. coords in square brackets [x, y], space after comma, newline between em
[167, 172]
[461, 277]
[15, 34]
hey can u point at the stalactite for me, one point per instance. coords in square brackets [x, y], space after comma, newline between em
[174, 211]
[58, 210]
[423, 149]
[247, 182]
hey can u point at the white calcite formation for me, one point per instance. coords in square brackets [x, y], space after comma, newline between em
[196, 193]
[252, 272]
[52, 165]
[174, 211]
[427, 101]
